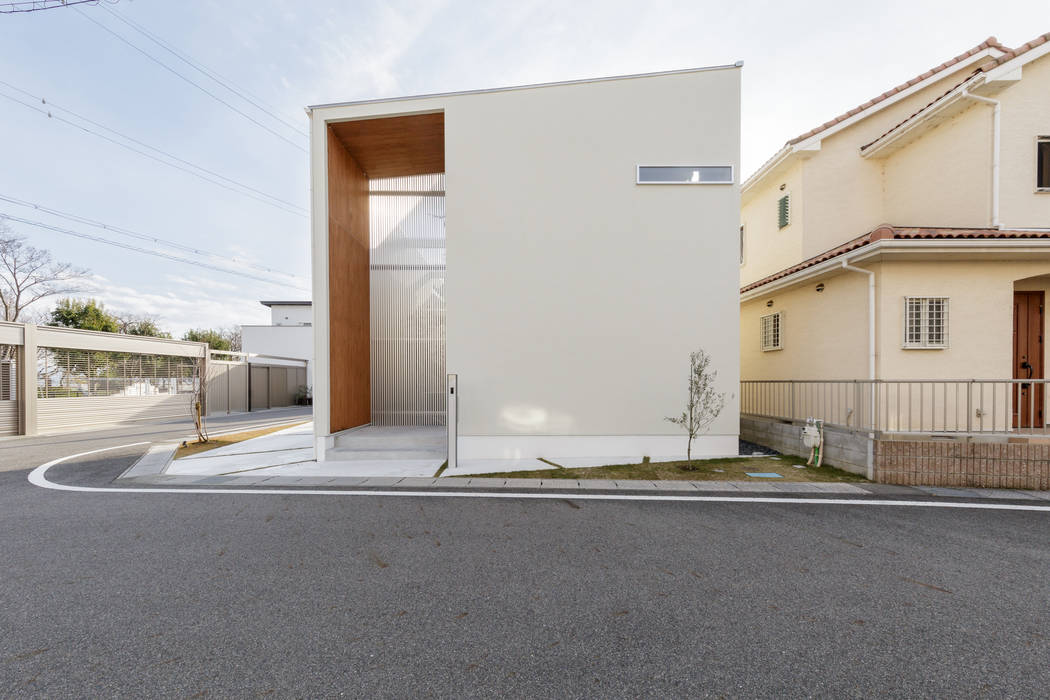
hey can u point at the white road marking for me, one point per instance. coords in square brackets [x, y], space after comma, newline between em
[37, 478]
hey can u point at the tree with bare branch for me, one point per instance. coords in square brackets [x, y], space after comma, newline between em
[29, 274]
[704, 402]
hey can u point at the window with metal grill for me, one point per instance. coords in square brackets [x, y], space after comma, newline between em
[64, 373]
[784, 211]
[926, 322]
[770, 327]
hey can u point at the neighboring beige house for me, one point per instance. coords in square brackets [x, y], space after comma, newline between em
[909, 239]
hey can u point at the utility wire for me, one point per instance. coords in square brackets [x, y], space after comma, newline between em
[171, 70]
[272, 201]
[143, 236]
[225, 82]
[146, 251]
[53, 105]
[7, 8]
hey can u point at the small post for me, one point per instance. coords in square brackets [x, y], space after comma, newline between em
[28, 379]
[452, 419]
[969, 406]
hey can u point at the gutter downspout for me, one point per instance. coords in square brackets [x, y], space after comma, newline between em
[995, 151]
[871, 359]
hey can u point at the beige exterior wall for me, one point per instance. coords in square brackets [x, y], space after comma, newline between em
[574, 296]
[940, 178]
[825, 334]
[944, 177]
[1025, 116]
[837, 195]
[766, 246]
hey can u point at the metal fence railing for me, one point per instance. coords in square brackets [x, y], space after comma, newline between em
[904, 406]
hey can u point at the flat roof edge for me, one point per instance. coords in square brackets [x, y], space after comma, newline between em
[286, 303]
[376, 100]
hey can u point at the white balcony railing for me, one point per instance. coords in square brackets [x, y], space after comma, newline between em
[904, 406]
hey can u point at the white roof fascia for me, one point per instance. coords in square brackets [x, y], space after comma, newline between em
[916, 120]
[403, 98]
[1004, 71]
[926, 245]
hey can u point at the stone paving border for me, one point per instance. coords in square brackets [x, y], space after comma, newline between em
[149, 471]
[625, 486]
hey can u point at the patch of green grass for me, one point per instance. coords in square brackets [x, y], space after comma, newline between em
[730, 469]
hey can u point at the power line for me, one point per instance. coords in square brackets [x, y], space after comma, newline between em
[142, 236]
[7, 8]
[171, 70]
[54, 105]
[225, 82]
[272, 201]
[145, 251]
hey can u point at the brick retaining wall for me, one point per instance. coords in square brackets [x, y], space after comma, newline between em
[1010, 465]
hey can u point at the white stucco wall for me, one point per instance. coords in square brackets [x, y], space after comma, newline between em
[281, 341]
[574, 295]
[291, 315]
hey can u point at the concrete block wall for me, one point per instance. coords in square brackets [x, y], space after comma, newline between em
[1014, 465]
[842, 448]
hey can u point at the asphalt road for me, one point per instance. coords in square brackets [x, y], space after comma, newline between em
[196, 595]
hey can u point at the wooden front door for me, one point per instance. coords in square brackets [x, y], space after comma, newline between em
[1028, 359]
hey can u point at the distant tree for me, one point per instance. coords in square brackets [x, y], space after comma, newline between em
[85, 314]
[217, 339]
[704, 403]
[233, 334]
[28, 274]
[141, 325]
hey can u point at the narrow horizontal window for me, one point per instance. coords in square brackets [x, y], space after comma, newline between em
[685, 174]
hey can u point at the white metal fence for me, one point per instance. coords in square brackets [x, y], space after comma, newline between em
[61, 379]
[904, 406]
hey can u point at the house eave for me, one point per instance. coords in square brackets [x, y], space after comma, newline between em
[879, 250]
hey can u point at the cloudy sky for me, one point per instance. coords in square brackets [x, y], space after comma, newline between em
[232, 191]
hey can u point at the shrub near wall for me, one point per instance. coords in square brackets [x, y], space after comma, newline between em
[1010, 465]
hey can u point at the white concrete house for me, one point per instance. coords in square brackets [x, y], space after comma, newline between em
[289, 334]
[549, 253]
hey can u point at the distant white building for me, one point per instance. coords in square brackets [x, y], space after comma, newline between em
[288, 335]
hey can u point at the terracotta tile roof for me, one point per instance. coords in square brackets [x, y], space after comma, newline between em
[919, 111]
[899, 233]
[1014, 53]
[983, 68]
[990, 42]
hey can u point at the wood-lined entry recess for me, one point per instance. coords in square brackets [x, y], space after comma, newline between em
[359, 150]
[348, 294]
[395, 146]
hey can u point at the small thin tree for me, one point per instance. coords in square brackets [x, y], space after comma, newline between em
[704, 403]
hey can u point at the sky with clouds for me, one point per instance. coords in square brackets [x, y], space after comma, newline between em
[244, 210]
